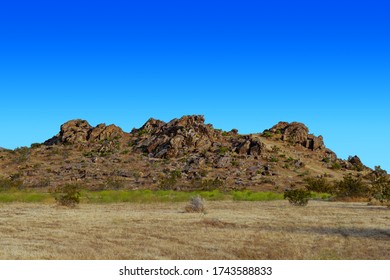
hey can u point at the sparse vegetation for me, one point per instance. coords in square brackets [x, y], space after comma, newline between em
[267, 134]
[9, 184]
[351, 187]
[68, 195]
[196, 205]
[207, 184]
[350, 231]
[335, 165]
[223, 150]
[297, 197]
[320, 185]
[381, 186]
[169, 182]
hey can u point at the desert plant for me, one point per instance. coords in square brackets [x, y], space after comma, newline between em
[114, 184]
[170, 181]
[23, 153]
[320, 185]
[223, 150]
[12, 183]
[267, 134]
[207, 184]
[335, 166]
[196, 205]
[381, 189]
[297, 197]
[351, 187]
[68, 195]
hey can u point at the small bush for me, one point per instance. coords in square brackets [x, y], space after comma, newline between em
[68, 195]
[169, 182]
[381, 190]
[351, 187]
[114, 184]
[196, 205]
[267, 134]
[8, 184]
[207, 184]
[23, 153]
[319, 185]
[223, 150]
[336, 165]
[297, 197]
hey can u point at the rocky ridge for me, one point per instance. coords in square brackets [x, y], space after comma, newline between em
[200, 156]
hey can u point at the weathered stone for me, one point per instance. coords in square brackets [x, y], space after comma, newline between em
[297, 133]
[224, 162]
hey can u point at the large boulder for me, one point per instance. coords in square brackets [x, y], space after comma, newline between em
[249, 146]
[74, 131]
[103, 132]
[80, 131]
[297, 133]
[176, 138]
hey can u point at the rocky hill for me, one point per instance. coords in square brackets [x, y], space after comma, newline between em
[183, 154]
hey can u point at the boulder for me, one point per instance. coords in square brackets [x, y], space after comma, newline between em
[297, 133]
[178, 137]
[103, 132]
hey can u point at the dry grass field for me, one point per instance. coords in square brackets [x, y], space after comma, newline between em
[229, 230]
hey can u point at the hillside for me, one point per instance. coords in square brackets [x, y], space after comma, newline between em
[183, 154]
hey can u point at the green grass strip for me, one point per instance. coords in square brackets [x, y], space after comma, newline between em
[148, 196]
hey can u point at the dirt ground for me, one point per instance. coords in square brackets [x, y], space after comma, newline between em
[229, 230]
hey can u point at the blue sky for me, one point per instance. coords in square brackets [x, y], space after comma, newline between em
[242, 64]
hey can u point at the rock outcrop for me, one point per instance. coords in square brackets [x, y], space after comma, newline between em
[297, 133]
[80, 131]
[186, 135]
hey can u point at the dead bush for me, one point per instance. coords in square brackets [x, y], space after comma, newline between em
[196, 205]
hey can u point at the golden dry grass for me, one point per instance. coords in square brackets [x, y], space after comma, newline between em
[229, 230]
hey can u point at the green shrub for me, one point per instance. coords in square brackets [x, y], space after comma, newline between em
[68, 195]
[23, 153]
[207, 184]
[223, 150]
[8, 184]
[297, 197]
[319, 185]
[381, 190]
[267, 134]
[351, 187]
[170, 181]
[114, 184]
[273, 159]
[336, 165]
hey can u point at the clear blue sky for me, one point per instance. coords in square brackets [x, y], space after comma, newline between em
[242, 64]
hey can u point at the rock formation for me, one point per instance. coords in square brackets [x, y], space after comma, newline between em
[297, 133]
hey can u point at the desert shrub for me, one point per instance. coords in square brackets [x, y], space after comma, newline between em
[114, 184]
[223, 150]
[297, 197]
[319, 185]
[68, 195]
[170, 181]
[335, 165]
[351, 187]
[12, 183]
[35, 145]
[196, 205]
[267, 134]
[22, 153]
[274, 159]
[207, 184]
[275, 149]
[381, 190]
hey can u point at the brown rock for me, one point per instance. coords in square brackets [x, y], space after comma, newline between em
[298, 133]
